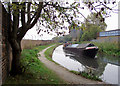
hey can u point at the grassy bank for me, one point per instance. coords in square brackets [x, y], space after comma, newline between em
[48, 52]
[35, 72]
[86, 75]
[107, 47]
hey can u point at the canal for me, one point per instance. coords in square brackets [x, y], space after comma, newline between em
[103, 66]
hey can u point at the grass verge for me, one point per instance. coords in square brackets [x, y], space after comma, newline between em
[35, 72]
[86, 75]
[108, 48]
[48, 53]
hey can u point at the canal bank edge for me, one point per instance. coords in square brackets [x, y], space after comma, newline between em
[64, 73]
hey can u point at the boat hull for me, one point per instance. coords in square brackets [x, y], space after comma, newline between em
[82, 51]
[90, 52]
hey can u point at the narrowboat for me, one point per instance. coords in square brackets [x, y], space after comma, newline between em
[89, 49]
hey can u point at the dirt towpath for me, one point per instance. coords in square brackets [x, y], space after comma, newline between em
[63, 73]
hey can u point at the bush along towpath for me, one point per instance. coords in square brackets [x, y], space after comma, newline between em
[63, 73]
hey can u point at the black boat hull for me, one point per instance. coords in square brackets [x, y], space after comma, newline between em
[82, 51]
[90, 52]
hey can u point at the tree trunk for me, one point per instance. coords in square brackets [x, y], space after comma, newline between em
[16, 33]
[16, 54]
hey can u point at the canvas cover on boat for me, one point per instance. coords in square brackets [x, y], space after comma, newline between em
[81, 45]
[73, 45]
[85, 45]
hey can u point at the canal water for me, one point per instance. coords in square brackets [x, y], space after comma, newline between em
[103, 66]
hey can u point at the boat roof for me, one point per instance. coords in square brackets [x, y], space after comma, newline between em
[81, 45]
[85, 45]
[73, 45]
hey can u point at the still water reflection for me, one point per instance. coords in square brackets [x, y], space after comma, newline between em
[106, 67]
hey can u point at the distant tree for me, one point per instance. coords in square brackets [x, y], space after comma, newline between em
[91, 33]
[75, 31]
[94, 19]
[65, 38]
[92, 26]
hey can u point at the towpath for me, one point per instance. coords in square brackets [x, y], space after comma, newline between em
[63, 73]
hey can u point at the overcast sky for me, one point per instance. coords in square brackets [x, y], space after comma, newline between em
[112, 24]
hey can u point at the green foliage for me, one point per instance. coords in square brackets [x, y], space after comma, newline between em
[108, 48]
[87, 75]
[91, 33]
[75, 72]
[67, 38]
[74, 26]
[75, 42]
[48, 53]
[92, 27]
[92, 19]
[83, 28]
[90, 76]
[35, 71]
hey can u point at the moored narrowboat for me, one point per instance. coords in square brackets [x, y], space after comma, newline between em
[89, 49]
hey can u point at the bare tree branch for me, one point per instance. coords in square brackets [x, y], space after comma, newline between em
[106, 6]
[28, 10]
[30, 25]
[23, 15]
[38, 12]
[15, 21]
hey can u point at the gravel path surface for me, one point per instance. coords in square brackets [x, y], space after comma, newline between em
[64, 73]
